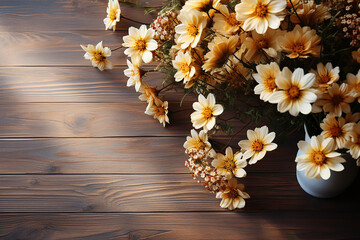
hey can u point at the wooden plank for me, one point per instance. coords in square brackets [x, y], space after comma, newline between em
[115, 155]
[89, 155]
[149, 193]
[60, 15]
[107, 193]
[92, 120]
[87, 120]
[56, 48]
[67, 84]
[201, 226]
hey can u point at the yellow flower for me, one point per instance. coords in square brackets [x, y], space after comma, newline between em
[356, 55]
[295, 94]
[258, 143]
[260, 14]
[261, 46]
[184, 67]
[354, 84]
[319, 157]
[113, 14]
[158, 110]
[230, 165]
[310, 14]
[140, 44]
[191, 28]
[197, 141]
[206, 7]
[337, 100]
[354, 145]
[225, 22]
[149, 93]
[337, 129]
[97, 55]
[265, 77]
[221, 48]
[300, 43]
[325, 76]
[133, 72]
[233, 196]
[205, 112]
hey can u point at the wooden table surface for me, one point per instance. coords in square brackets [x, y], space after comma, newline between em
[80, 160]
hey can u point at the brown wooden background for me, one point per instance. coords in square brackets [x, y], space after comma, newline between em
[80, 160]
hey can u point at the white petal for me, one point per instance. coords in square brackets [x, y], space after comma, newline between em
[147, 57]
[325, 172]
[217, 110]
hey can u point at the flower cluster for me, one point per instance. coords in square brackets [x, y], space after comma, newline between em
[219, 172]
[288, 62]
[350, 21]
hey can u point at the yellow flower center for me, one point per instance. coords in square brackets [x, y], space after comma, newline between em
[207, 113]
[262, 43]
[231, 20]
[233, 194]
[324, 79]
[270, 83]
[337, 99]
[298, 48]
[229, 164]
[192, 30]
[140, 44]
[200, 145]
[185, 68]
[319, 158]
[160, 111]
[99, 57]
[112, 14]
[336, 131]
[257, 146]
[294, 92]
[261, 10]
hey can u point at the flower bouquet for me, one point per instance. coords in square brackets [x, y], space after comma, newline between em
[283, 63]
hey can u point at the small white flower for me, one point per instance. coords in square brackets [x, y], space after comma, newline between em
[134, 75]
[97, 55]
[319, 157]
[258, 143]
[295, 94]
[233, 196]
[230, 164]
[113, 15]
[140, 44]
[205, 113]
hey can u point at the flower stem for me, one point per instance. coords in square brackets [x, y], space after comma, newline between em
[166, 86]
[116, 48]
[296, 12]
[135, 21]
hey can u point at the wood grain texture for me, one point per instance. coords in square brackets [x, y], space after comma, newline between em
[117, 155]
[93, 120]
[56, 48]
[149, 193]
[87, 120]
[160, 226]
[93, 155]
[80, 160]
[67, 84]
[60, 15]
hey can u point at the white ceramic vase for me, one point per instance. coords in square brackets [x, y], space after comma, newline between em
[333, 186]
